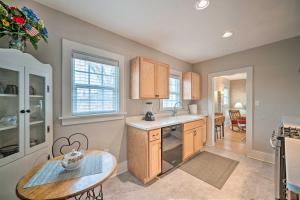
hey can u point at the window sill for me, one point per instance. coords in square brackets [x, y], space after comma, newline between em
[84, 119]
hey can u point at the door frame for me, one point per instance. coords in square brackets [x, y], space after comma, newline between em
[249, 105]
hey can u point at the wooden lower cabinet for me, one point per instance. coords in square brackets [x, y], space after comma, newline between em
[144, 148]
[198, 144]
[154, 158]
[188, 144]
[144, 153]
[194, 136]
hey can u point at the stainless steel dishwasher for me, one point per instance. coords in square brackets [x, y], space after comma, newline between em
[171, 147]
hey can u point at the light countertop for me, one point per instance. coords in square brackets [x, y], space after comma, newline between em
[161, 121]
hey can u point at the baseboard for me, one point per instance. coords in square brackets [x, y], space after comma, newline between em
[122, 167]
[262, 156]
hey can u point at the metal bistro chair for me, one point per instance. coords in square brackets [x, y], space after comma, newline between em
[64, 145]
[77, 141]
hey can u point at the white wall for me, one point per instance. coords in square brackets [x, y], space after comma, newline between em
[276, 84]
[105, 135]
[220, 84]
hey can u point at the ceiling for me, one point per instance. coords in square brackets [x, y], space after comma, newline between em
[237, 76]
[176, 28]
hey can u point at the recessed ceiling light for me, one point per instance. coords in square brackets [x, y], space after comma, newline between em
[227, 34]
[201, 4]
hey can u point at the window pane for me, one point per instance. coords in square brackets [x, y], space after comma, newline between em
[95, 79]
[82, 93]
[109, 70]
[96, 94]
[95, 68]
[81, 77]
[174, 96]
[109, 81]
[80, 65]
[95, 87]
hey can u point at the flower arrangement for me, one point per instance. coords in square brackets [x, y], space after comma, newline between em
[21, 25]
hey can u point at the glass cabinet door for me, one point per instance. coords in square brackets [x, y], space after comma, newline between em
[11, 114]
[36, 112]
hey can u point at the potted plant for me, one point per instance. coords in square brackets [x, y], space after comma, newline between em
[21, 25]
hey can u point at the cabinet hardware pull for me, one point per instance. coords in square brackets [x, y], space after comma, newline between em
[22, 111]
[28, 111]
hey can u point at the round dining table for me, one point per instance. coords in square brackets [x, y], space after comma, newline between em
[85, 187]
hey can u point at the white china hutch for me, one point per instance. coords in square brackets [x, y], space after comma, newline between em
[25, 116]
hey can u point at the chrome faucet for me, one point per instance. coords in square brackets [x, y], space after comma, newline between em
[174, 111]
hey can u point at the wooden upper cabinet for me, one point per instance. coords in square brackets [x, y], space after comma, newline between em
[191, 86]
[162, 81]
[149, 79]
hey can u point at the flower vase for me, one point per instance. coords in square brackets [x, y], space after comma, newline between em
[17, 42]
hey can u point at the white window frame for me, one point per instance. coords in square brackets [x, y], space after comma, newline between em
[67, 117]
[177, 74]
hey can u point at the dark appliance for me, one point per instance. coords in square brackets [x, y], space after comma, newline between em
[171, 147]
[149, 116]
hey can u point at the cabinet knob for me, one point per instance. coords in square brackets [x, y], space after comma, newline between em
[22, 111]
[28, 111]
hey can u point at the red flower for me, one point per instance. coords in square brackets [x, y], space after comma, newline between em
[12, 7]
[19, 20]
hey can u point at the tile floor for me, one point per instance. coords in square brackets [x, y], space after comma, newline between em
[251, 179]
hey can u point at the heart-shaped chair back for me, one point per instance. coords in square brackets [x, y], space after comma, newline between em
[63, 145]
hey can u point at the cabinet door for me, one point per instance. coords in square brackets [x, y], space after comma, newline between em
[187, 85]
[36, 100]
[162, 81]
[188, 143]
[11, 114]
[154, 158]
[204, 128]
[147, 79]
[195, 86]
[198, 139]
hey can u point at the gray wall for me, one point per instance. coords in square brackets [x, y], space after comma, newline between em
[276, 84]
[104, 135]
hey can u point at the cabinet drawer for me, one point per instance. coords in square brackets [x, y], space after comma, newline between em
[194, 124]
[154, 134]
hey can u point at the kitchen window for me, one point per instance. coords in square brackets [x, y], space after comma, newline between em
[174, 93]
[95, 84]
[92, 84]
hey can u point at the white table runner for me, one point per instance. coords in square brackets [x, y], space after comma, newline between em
[52, 171]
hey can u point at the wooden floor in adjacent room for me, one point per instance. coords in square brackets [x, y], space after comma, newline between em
[233, 141]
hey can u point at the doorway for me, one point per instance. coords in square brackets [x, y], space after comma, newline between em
[230, 110]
